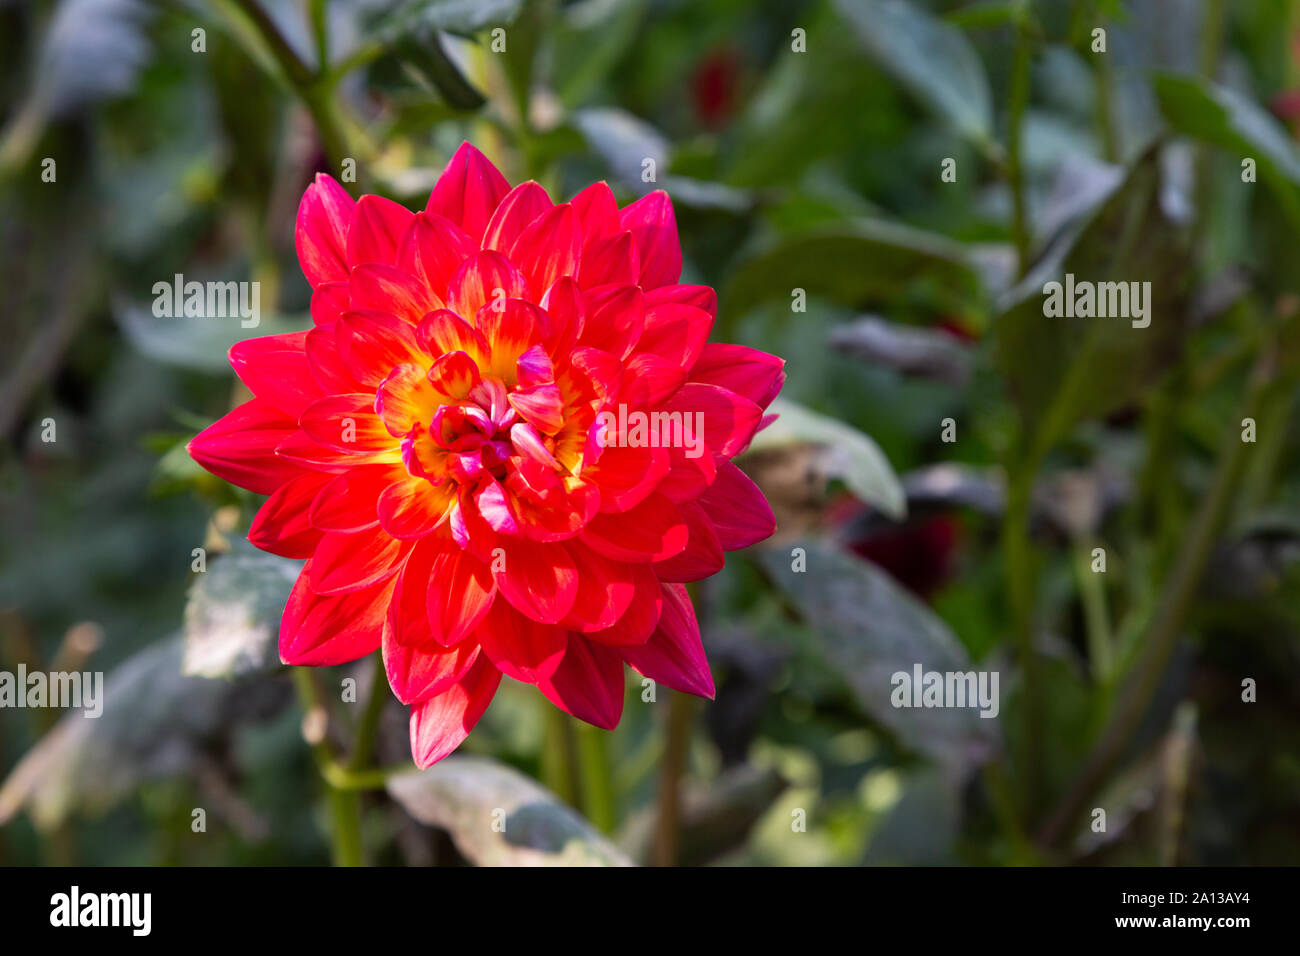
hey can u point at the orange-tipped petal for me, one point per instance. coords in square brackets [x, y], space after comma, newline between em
[441, 723]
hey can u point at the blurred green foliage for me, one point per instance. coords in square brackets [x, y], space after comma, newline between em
[804, 144]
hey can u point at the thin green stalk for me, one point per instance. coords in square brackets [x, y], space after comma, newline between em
[344, 805]
[1015, 139]
[667, 837]
[1023, 851]
[363, 745]
[560, 756]
[597, 778]
[1019, 569]
[318, 10]
[313, 89]
[1176, 600]
[1092, 595]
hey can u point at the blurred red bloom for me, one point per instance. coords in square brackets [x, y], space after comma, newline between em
[454, 447]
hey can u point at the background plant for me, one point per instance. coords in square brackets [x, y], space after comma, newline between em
[804, 146]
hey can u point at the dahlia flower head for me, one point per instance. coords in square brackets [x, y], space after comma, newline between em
[454, 447]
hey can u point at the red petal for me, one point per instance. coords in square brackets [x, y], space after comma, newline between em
[674, 655]
[521, 648]
[730, 420]
[740, 514]
[483, 279]
[439, 724]
[468, 191]
[320, 631]
[701, 558]
[371, 344]
[540, 580]
[412, 507]
[613, 260]
[614, 320]
[654, 229]
[416, 674]
[510, 331]
[597, 211]
[384, 288]
[541, 406]
[459, 594]
[454, 375]
[432, 250]
[606, 589]
[699, 296]
[408, 624]
[347, 423]
[443, 331]
[283, 524]
[241, 447]
[652, 531]
[642, 617]
[352, 562]
[327, 364]
[564, 309]
[588, 683]
[517, 210]
[651, 379]
[378, 225]
[328, 302]
[756, 375]
[548, 249]
[675, 332]
[322, 229]
[347, 502]
[275, 368]
[627, 475]
[405, 399]
[688, 474]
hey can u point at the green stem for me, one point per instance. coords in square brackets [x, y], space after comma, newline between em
[1023, 851]
[1019, 570]
[667, 837]
[1176, 600]
[1092, 595]
[1015, 135]
[560, 756]
[318, 10]
[344, 805]
[597, 778]
[363, 745]
[313, 89]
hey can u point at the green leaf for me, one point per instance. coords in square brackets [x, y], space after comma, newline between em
[232, 616]
[871, 628]
[854, 262]
[624, 142]
[929, 57]
[589, 40]
[912, 350]
[156, 723]
[1216, 114]
[498, 817]
[199, 343]
[1064, 370]
[453, 16]
[845, 454]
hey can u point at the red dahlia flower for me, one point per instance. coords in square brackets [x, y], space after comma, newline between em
[455, 450]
